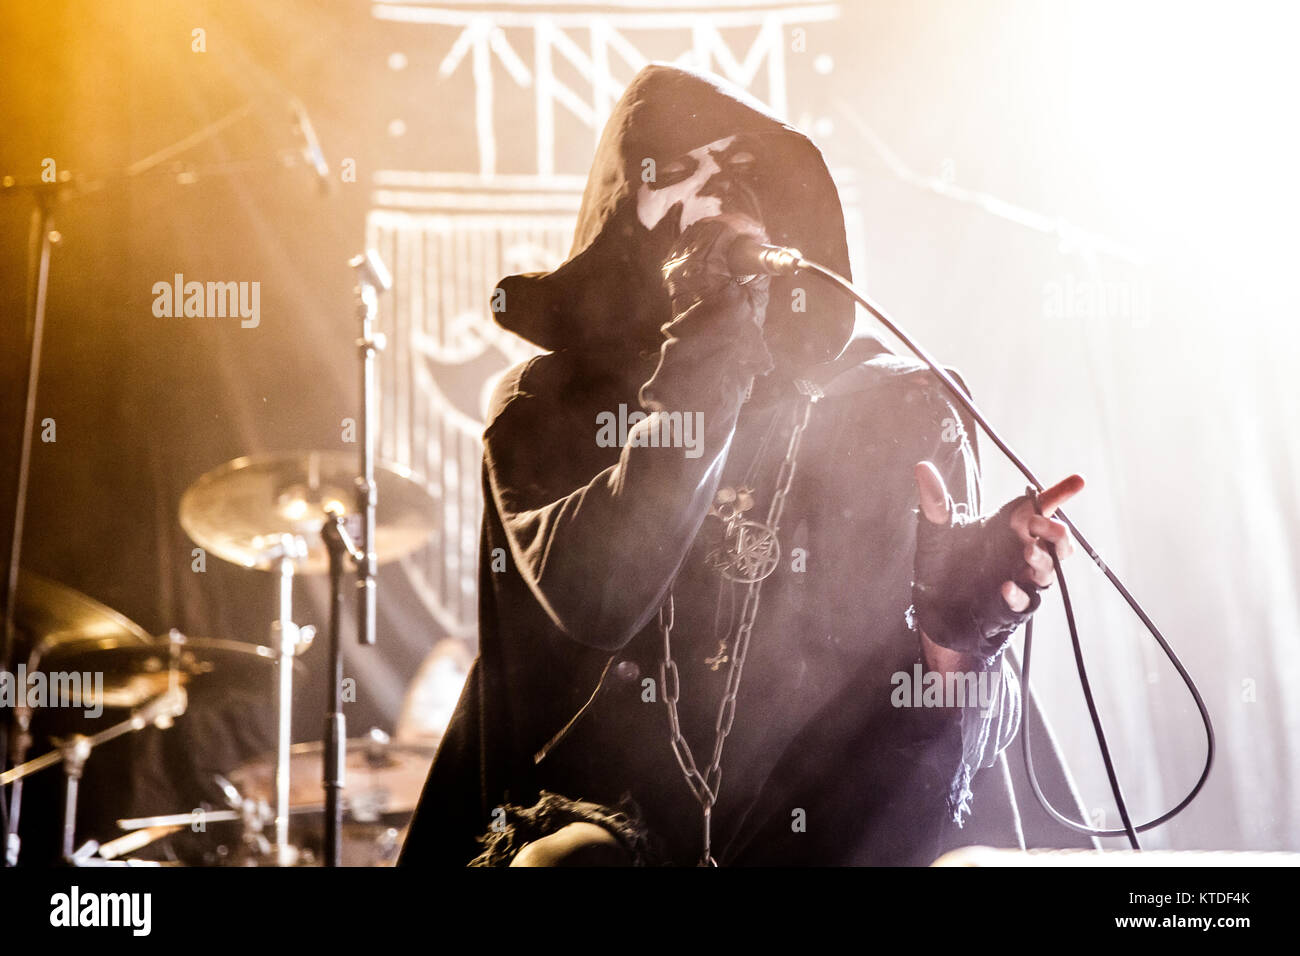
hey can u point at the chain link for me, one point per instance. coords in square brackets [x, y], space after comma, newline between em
[705, 786]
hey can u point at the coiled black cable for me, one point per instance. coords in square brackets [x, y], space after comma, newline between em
[1129, 830]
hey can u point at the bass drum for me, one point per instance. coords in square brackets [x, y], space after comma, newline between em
[382, 783]
[364, 845]
[432, 696]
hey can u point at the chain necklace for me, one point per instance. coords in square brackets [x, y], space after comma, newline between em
[728, 507]
[752, 558]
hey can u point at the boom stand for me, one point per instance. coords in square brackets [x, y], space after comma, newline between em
[372, 278]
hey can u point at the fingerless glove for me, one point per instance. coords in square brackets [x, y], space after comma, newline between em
[957, 581]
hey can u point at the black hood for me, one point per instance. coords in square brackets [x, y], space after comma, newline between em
[608, 295]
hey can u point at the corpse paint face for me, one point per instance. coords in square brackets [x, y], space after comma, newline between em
[708, 181]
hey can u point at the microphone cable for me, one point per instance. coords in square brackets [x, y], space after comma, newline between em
[795, 263]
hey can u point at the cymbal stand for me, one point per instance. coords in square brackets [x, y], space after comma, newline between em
[287, 640]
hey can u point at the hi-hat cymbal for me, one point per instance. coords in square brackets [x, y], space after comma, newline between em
[136, 673]
[51, 614]
[256, 511]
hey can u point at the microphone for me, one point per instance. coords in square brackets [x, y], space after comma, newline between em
[311, 150]
[748, 257]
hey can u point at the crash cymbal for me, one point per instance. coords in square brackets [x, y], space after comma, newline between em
[257, 510]
[136, 673]
[382, 777]
[51, 614]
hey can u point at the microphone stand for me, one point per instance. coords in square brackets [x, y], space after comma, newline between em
[45, 194]
[372, 278]
[340, 546]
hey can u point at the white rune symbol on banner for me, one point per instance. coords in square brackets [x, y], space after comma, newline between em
[557, 37]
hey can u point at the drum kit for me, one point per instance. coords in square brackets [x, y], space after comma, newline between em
[257, 513]
[289, 514]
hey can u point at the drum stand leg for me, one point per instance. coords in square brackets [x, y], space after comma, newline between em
[75, 750]
[285, 640]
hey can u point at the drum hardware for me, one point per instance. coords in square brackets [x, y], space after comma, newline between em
[184, 819]
[386, 779]
[144, 675]
[132, 842]
[91, 853]
[57, 619]
[270, 512]
[253, 814]
[288, 640]
[73, 752]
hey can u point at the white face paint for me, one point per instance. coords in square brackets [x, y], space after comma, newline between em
[681, 181]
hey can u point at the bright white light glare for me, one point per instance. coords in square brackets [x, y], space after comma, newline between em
[1184, 115]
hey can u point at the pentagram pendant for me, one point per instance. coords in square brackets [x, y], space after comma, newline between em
[749, 554]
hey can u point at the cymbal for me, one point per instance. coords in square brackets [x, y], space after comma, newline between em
[382, 777]
[256, 511]
[135, 674]
[53, 614]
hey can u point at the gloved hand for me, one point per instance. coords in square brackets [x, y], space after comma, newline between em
[975, 579]
[958, 573]
[696, 267]
[714, 345]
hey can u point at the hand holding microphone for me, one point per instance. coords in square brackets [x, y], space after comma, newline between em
[714, 343]
[714, 250]
[711, 254]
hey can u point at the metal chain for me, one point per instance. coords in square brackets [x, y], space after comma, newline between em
[705, 785]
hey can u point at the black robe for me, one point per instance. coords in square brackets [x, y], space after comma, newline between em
[582, 544]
